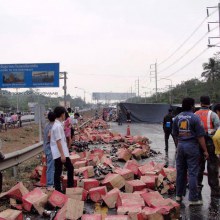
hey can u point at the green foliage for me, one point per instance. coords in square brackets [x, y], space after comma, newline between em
[8, 101]
[208, 85]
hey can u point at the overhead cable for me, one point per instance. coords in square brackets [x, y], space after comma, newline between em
[187, 39]
[188, 63]
[181, 57]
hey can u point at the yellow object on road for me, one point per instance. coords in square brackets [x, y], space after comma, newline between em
[101, 210]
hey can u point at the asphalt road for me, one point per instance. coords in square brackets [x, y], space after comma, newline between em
[211, 207]
[210, 210]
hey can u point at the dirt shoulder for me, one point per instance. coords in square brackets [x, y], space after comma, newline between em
[18, 138]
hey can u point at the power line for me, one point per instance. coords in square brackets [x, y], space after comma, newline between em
[181, 57]
[183, 67]
[185, 41]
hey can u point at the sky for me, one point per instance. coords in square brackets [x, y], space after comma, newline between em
[107, 45]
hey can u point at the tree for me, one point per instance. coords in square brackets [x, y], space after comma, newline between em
[211, 70]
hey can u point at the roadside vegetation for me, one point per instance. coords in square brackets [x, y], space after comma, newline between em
[208, 84]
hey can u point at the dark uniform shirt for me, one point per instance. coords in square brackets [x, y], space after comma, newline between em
[187, 127]
[168, 123]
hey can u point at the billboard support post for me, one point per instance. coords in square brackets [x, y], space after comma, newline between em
[39, 114]
[63, 75]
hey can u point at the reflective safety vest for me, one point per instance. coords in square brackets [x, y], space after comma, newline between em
[205, 116]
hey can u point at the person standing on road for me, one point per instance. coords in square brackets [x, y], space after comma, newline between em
[188, 133]
[210, 121]
[119, 117]
[167, 127]
[96, 115]
[60, 150]
[74, 123]
[47, 150]
[128, 114]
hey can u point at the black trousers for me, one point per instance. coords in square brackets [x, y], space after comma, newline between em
[166, 137]
[212, 168]
[58, 171]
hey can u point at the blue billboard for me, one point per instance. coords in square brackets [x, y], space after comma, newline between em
[32, 75]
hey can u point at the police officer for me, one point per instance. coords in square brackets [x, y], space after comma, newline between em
[189, 136]
[167, 127]
[210, 121]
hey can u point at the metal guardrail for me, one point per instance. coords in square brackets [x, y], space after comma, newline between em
[18, 157]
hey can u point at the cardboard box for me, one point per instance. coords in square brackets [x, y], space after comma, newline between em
[170, 173]
[57, 199]
[124, 154]
[134, 185]
[116, 217]
[61, 214]
[35, 198]
[93, 160]
[74, 158]
[150, 197]
[152, 214]
[79, 164]
[77, 193]
[113, 181]
[88, 184]
[16, 192]
[145, 169]
[11, 214]
[64, 181]
[111, 197]
[96, 194]
[72, 210]
[130, 199]
[106, 160]
[132, 165]
[125, 173]
[14, 204]
[150, 181]
[92, 217]
[133, 212]
[137, 153]
[87, 171]
[98, 152]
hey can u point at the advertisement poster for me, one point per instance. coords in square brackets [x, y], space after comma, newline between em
[29, 75]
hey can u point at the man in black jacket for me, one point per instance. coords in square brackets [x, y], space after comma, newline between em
[167, 127]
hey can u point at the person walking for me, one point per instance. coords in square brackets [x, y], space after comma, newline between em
[210, 121]
[167, 127]
[128, 115]
[47, 150]
[119, 117]
[60, 150]
[189, 135]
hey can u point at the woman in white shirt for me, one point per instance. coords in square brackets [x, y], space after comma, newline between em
[60, 150]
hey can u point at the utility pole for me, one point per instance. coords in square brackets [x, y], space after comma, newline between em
[155, 76]
[137, 87]
[213, 22]
[63, 75]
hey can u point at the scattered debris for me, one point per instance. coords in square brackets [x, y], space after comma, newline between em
[132, 188]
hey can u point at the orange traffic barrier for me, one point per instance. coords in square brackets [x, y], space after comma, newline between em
[43, 178]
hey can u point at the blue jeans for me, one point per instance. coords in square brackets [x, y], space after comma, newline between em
[50, 167]
[187, 161]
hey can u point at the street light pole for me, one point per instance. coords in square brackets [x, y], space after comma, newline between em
[84, 92]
